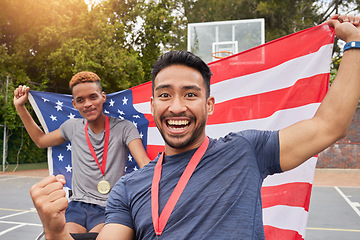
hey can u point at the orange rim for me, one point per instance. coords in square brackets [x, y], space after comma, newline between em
[215, 54]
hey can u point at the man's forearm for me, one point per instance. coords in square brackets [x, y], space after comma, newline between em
[31, 127]
[339, 105]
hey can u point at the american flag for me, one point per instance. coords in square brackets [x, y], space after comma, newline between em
[53, 109]
[268, 87]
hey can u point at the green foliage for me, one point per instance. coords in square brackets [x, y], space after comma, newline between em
[286, 17]
[21, 148]
[156, 31]
[333, 73]
[281, 17]
[146, 25]
[43, 43]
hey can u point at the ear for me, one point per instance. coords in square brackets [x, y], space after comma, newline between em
[103, 95]
[210, 105]
[152, 106]
[73, 103]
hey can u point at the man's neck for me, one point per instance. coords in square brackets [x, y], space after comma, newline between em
[98, 124]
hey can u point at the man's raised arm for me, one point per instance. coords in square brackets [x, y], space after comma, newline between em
[41, 139]
[307, 138]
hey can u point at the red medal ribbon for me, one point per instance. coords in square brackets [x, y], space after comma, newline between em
[102, 167]
[160, 222]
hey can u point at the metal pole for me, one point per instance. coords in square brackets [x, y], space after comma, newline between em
[5, 128]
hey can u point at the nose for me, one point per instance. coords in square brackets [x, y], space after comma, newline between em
[87, 103]
[177, 105]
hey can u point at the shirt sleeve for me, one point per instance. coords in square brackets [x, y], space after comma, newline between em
[130, 132]
[117, 207]
[267, 150]
[66, 129]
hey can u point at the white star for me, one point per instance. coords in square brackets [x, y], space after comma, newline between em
[125, 101]
[59, 103]
[125, 168]
[58, 108]
[105, 111]
[68, 168]
[44, 99]
[135, 168]
[71, 116]
[141, 135]
[68, 147]
[53, 118]
[130, 158]
[111, 103]
[61, 157]
[121, 117]
[120, 112]
[136, 116]
[135, 124]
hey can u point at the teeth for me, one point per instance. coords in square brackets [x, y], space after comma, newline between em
[178, 122]
[177, 128]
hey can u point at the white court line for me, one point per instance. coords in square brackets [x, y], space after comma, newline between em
[11, 229]
[22, 223]
[352, 205]
[15, 214]
[18, 224]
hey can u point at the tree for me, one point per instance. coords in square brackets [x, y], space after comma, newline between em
[329, 8]
[281, 17]
[44, 42]
[147, 27]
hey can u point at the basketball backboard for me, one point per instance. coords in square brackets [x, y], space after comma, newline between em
[215, 40]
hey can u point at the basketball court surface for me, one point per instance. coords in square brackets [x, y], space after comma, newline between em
[334, 209]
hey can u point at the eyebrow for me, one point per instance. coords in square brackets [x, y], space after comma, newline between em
[188, 87]
[90, 95]
[192, 87]
[162, 86]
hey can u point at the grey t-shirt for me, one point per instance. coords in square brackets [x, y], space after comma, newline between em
[85, 171]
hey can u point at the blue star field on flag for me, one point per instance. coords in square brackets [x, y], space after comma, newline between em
[53, 109]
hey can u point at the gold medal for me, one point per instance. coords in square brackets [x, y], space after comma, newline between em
[103, 187]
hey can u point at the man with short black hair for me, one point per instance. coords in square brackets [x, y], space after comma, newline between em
[184, 185]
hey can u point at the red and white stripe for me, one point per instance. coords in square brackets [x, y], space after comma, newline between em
[268, 87]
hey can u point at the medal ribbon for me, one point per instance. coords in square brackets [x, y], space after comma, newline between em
[160, 222]
[102, 167]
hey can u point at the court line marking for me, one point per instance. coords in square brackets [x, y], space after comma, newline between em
[17, 210]
[352, 204]
[333, 229]
[22, 223]
[11, 229]
[17, 224]
[13, 215]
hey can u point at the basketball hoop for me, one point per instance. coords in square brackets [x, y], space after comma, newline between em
[219, 54]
